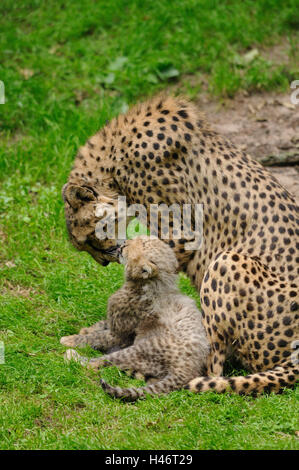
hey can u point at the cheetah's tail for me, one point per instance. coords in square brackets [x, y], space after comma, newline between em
[165, 385]
[269, 381]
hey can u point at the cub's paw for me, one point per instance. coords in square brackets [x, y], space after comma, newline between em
[73, 341]
[98, 362]
[99, 326]
[86, 330]
[95, 363]
[72, 355]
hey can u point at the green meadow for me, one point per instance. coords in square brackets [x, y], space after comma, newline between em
[67, 67]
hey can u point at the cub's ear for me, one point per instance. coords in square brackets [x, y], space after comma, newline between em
[75, 195]
[149, 270]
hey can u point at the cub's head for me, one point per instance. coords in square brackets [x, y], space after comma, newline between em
[85, 209]
[147, 258]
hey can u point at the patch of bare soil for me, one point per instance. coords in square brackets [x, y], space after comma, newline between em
[266, 126]
[3, 236]
[18, 290]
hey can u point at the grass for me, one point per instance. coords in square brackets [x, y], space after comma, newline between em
[67, 67]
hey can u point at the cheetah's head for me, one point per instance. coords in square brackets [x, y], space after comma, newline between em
[84, 209]
[147, 258]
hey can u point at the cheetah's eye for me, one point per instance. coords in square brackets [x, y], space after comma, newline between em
[91, 189]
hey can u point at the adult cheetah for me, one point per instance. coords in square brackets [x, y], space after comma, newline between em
[163, 151]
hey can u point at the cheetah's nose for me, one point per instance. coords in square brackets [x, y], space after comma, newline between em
[120, 245]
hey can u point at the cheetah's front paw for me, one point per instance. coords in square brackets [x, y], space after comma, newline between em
[72, 355]
[73, 341]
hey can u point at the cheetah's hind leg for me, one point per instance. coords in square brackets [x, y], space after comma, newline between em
[94, 363]
[101, 340]
[274, 380]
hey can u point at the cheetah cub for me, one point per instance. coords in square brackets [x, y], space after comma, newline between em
[170, 345]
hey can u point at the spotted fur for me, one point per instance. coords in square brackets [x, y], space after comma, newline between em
[170, 343]
[163, 151]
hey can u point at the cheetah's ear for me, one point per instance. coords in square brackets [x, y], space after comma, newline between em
[149, 270]
[75, 195]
